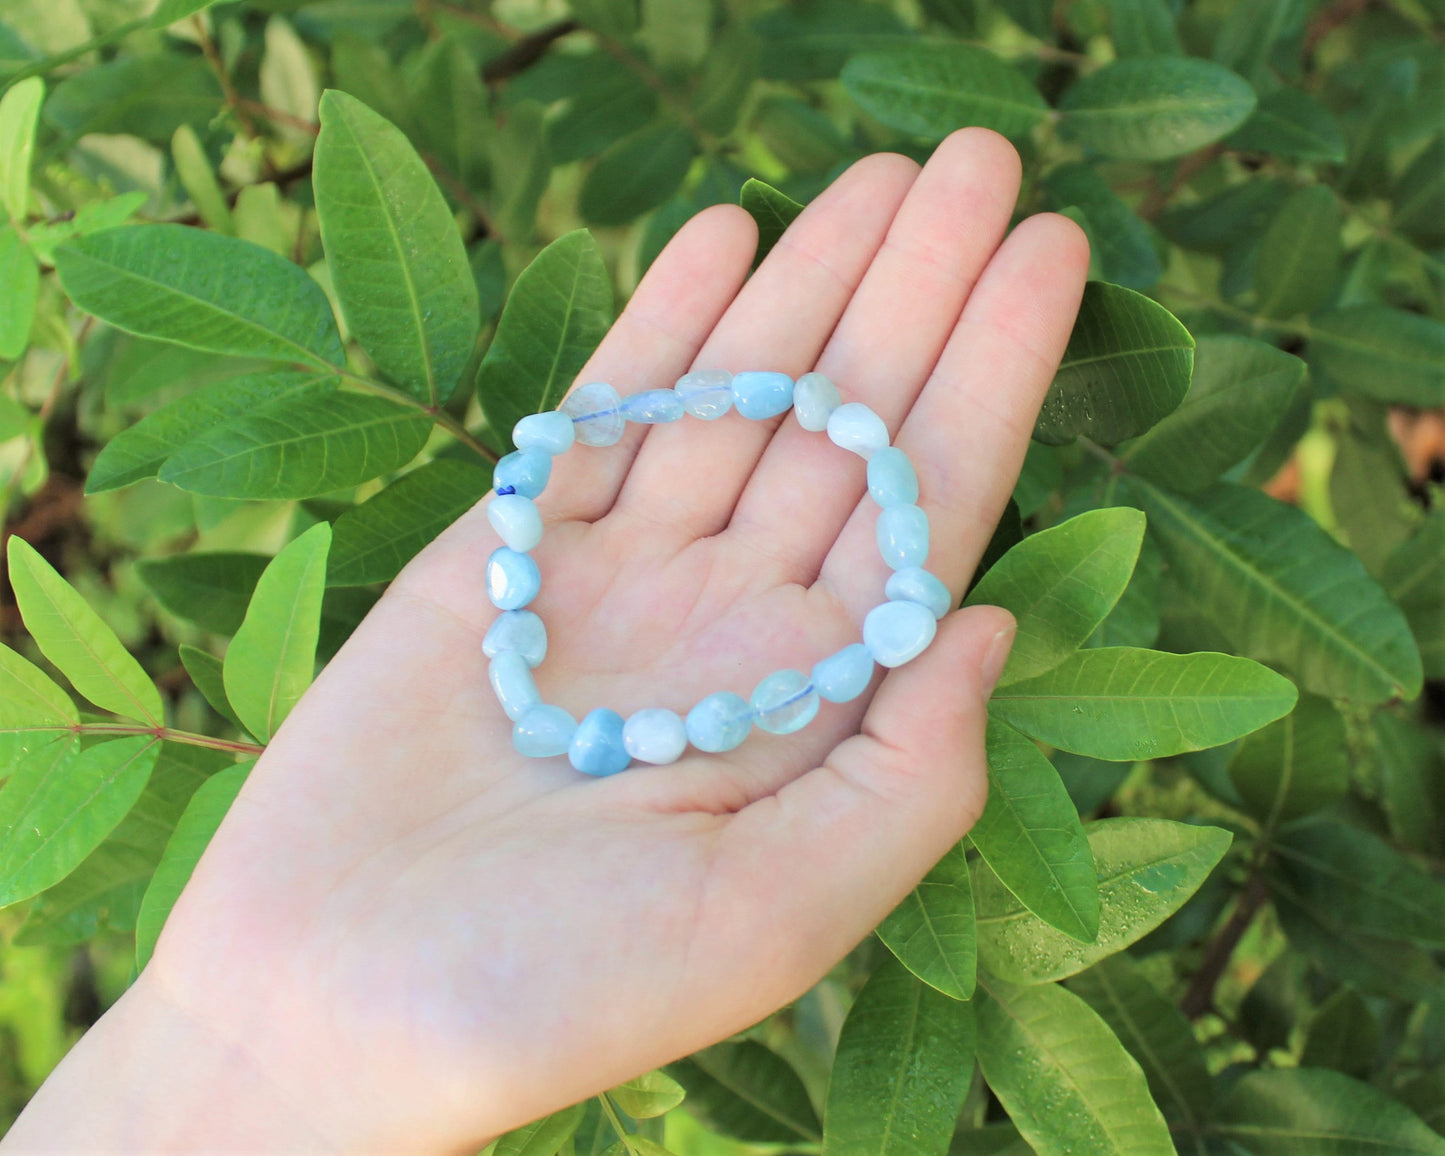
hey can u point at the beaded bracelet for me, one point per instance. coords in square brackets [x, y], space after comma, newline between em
[603, 743]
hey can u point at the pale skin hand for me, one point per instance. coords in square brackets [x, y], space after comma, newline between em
[406, 937]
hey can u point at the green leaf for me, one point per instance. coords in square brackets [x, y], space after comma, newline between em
[1240, 390]
[95, 217]
[1143, 28]
[1155, 108]
[1155, 1032]
[1299, 255]
[544, 1137]
[1063, 1077]
[1294, 766]
[520, 168]
[931, 931]
[799, 135]
[1414, 578]
[745, 1091]
[193, 168]
[60, 804]
[1381, 352]
[1283, 591]
[28, 698]
[813, 41]
[19, 294]
[376, 539]
[772, 210]
[447, 111]
[1284, 1112]
[272, 659]
[1059, 584]
[1031, 837]
[148, 96]
[931, 89]
[210, 589]
[1127, 365]
[1146, 869]
[1122, 703]
[208, 676]
[727, 79]
[19, 112]
[300, 445]
[1343, 1035]
[902, 1070]
[203, 814]
[558, 311]
[1120, 242]
[1290, 123]
[1418, 195]
[606, 101]
[651, 1094]
[394, 252]
[637, 173]
[72, 636]
[201, 290]
[140, 451]
[169, 11]
[1134, 621]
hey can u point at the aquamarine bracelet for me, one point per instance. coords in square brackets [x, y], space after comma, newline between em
[603, 743]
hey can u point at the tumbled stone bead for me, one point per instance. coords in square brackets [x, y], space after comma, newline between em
[596, 413]
[513, 579]
[891, 480]
[854, 426]
[843, 676]
[814, 399]
[544, 731]
[520, 631]
[903, 536]
[652, 406]
[513, 684]
[516, 520]
[915, 584]
[597, 746]
[550, 432]
[706, 393]
[524, 472]
[897, 632]
[719, 722]
[760, 394]
[784, 702]
[655, 735]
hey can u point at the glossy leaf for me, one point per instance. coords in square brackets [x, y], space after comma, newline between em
[1299, 254]
[201, 290]
[272, 659]
[1121, 244]
[1343, 1035]
[1062, 1075]
[1282, 591]
[19, 293]
[393, 250]
[651, 1094]
[931, 89]
[1030, 836]
[902, 1070]
[73, 636]
[557, 312]
[1294, 766]
[1155, 108]
[299, 445]
[210, 589]
[772, 210]
[543, 1137]
[637, 173]
[19, 112]
[931, 931]
[1123, 703]
[1381, 352]
[1127, 365]
[1146, 868]
[1240, 390]
[745, 1091]
[1290, 123]
[1059, 584]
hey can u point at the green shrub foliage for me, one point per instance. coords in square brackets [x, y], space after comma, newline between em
[277, 277]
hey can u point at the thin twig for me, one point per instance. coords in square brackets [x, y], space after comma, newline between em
[218, 66]
[168, 734]
[1200, 996]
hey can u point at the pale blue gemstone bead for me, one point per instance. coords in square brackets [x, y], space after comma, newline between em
[706, 393]
[897, 632]
[596, 413]
[544, 731]
[655, 735]
[550, 432]
[784, 702]
[513, 579]
[520, 631]
[524, 472]
[891, 480]
[512, 681]
[652, 406]
[516, 520]
[814, 399]
[854, 426]
[719, 722]
[760, 394]
[903, 536]
[915, 584]
[597, 746]
[843, 676]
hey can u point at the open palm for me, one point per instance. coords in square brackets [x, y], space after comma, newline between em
[423, 938]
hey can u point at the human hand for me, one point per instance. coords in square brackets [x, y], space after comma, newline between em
[415, 938]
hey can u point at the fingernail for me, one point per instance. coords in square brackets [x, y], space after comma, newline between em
[997, 655]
